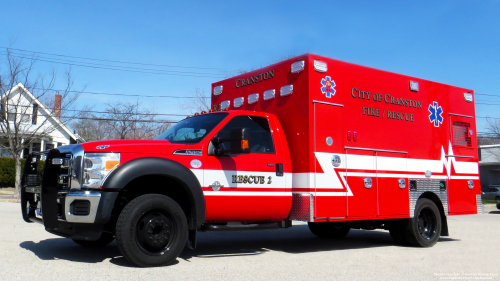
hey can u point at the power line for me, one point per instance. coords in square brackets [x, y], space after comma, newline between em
[127, 95]
[125, 62]
[105, 65]
[487, 103]
[133, 120]
[165, 72]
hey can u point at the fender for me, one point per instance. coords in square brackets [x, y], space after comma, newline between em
[133, 169]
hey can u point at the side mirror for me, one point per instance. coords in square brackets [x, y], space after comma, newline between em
[239, 140]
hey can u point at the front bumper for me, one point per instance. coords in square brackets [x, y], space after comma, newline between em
[79, 215]
[63, 209]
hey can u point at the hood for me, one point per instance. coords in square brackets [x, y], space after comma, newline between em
[137, 146]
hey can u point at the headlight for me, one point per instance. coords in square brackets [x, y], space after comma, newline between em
[97, 166]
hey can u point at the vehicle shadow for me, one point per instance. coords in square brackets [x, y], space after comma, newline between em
[295, 240]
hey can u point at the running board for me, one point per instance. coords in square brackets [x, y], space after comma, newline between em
[235, 226]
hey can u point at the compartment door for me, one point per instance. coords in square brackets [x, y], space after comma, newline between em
[462, 166]
[392, 183]
[361, 173]
[330, 193]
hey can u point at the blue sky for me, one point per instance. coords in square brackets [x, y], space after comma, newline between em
[453, 42]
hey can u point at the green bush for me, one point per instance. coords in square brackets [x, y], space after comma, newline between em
[8, 170]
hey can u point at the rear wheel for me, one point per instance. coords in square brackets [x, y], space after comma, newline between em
[424, 229]
[104, 240]
[329, 229]
[151, 230]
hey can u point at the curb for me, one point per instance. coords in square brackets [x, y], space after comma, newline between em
[10, 200]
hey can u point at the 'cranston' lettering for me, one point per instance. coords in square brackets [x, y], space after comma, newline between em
[254, 79]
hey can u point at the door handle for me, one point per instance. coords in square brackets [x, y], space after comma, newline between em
[279, 170]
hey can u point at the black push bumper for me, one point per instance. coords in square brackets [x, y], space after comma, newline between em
[78, 215]
[61, 208]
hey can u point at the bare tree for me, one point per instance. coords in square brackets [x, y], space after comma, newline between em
[201, 101]
[21, 120]
[122, 120]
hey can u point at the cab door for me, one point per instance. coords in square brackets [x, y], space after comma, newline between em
[247, 187]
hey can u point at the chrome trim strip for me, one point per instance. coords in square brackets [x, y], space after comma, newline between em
[459, 156]
[373, 149]
[35, 189]
[329, 103]
[330, 218]
[92, 196]
[467, 116]
[195, 152]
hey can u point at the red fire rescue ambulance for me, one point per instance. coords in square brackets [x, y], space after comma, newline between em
[313, 139]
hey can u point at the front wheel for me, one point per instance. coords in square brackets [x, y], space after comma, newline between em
[329, 229]
[424, 229]
[151, 230]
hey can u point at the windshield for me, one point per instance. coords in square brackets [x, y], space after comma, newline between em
[193, 129]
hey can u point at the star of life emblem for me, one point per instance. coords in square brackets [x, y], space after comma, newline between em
[327, 86]
[435, 115]
[216, 186]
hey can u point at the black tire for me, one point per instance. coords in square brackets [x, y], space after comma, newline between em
[424, 229]
[498, 205]
[330, 230]
[397, 231]
[104, 240]
[151, 230]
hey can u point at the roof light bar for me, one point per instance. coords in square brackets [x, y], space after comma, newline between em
[238, 101]
[217, 90]
[320, 66]
[269, 94]
[253, 98]
[468, 97]
[225, 104]
[298, 66]
[286, 90]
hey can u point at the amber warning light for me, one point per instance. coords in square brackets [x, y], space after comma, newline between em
[244, 144]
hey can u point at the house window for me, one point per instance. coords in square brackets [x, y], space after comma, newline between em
[49, 146]
[59, 144]
[36, 147]
[35, 114]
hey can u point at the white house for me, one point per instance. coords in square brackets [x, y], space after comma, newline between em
[36, 118]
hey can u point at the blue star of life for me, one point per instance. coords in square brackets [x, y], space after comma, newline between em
[436, 116]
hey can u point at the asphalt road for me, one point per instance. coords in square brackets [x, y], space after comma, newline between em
[472, 252]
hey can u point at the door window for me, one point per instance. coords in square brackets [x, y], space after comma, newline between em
[260, 141]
